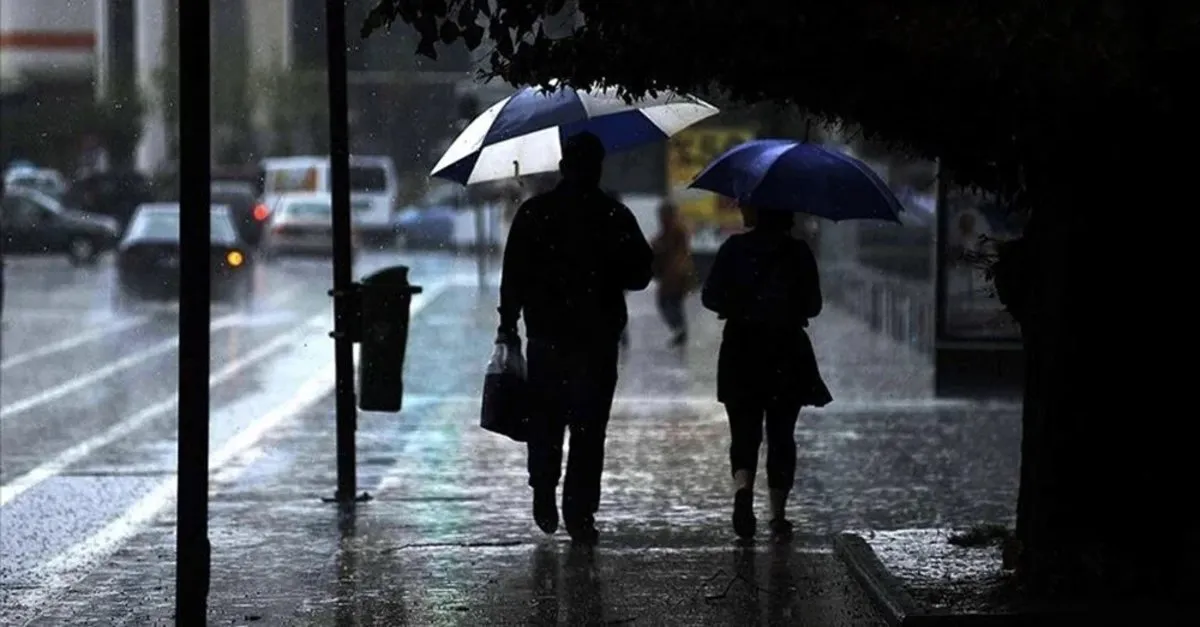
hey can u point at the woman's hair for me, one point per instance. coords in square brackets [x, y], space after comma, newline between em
[773, 220]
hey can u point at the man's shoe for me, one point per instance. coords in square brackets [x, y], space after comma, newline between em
[545, 510]
[583, 532]
[781, 528]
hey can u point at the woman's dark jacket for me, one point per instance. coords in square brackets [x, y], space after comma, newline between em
[765, 286]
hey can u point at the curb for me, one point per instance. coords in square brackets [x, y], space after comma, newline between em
[900, 609]
[884, 591]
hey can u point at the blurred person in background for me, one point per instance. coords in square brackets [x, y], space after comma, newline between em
[571, 254]
[674, 269]
[764, 285]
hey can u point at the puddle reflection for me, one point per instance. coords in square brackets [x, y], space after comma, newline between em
[583, 588]
[545, 573]
[566, 582]
[347, 568]
[782, 584]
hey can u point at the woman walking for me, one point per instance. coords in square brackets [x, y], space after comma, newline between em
[764, 285]
[674, 269]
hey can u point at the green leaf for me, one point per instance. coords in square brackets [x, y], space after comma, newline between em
[449, 32]
[378, 18]
[473, 36]
[426, 47]
[502, 37]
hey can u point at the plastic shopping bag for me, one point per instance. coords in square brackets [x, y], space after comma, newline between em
[505, 408]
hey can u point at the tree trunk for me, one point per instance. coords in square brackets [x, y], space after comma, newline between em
[1104, 481]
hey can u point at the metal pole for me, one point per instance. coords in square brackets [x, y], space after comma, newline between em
[480, 268]
[939, 253]
[339, 171]
[192, 547]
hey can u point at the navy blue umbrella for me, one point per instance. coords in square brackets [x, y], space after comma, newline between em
[788, 175]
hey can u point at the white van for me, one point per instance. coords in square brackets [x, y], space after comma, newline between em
[374, 186]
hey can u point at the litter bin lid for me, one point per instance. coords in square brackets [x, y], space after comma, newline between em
[395, 275]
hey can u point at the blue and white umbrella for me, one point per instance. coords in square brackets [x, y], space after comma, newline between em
[523, 133]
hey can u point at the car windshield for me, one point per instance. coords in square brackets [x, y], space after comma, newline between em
[235, 199]
[43, 199]
[289, 180]
[42, 184]
[310, 210]
[368, 180]
[232, 188]
[163, 224]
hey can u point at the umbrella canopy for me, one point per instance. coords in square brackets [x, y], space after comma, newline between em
[523, 133]
[787, 175]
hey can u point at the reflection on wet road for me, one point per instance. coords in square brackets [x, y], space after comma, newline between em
[88, 393]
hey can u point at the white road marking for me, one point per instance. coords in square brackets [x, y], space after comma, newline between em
[65, 569]
[74, 340]
[99, 374]
[108, 370]
[56, 574]
[132, 424]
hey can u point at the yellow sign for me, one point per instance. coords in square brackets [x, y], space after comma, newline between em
[687, 154]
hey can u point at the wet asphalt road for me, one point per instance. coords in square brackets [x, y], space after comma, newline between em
[87, 393]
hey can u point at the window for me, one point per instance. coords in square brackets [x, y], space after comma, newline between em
[157, 226]
[368, 180]
[293, 180]
[163, 224]
[310, 210]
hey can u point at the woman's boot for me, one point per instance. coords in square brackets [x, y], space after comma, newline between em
[744, 522]
[780, 525]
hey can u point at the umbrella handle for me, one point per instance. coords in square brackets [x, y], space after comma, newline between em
[517, 173]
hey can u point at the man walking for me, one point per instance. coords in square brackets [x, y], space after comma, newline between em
[572, 252]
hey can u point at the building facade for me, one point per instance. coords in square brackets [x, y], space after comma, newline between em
[401, 104]
[58, 38]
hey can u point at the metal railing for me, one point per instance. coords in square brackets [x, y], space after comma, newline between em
[901, 309]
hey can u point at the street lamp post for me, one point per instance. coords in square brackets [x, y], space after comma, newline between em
[344, 291]
[192, 547]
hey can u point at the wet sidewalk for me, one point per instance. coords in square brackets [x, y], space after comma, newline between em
[448, 540]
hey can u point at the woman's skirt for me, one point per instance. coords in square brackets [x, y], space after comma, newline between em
[767, 368]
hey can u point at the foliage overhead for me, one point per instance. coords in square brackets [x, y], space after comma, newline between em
[53, 117]
[998, 90]
[286, 96]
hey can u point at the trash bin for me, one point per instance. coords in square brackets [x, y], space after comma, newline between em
[384, 299]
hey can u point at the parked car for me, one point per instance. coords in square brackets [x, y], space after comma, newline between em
[249, 216]
[45, 180]
[35, 223]
[302, 223]
[374, 187]
[430, 222]
[148, 258]
[114, 194]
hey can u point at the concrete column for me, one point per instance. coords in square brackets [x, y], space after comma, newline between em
[103, 52]
[151, 24]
